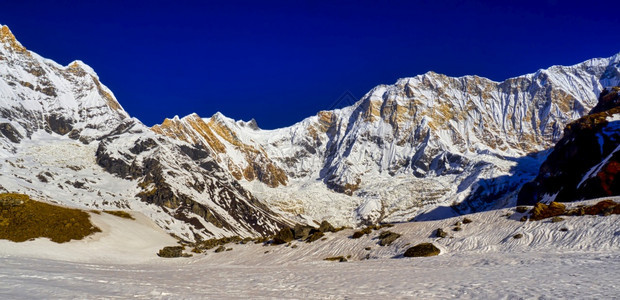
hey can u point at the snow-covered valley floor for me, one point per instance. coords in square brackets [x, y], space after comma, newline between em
[482, 261]
[475, 276]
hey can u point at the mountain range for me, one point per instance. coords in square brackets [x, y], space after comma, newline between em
[398, 153]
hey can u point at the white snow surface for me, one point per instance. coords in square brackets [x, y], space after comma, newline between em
[483, 261]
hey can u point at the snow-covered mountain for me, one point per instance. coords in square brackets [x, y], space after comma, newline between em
[399, 151]
[39, 94]
[426, 140]
[65, 138]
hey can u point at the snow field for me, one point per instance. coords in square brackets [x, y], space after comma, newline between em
[483, 260]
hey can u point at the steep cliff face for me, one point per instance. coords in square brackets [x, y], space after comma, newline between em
[65, 138]
[585, 163]
[185, 182]
[425, 140]
[39, 94]
[244, 160]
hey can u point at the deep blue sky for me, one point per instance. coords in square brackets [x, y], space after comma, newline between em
[279, 62]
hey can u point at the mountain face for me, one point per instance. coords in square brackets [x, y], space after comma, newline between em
[244, 161]
[399, 151]
[65, 138]
[38, 94]
[585, 163]
[426, 140]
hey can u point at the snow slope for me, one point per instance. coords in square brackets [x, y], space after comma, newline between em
[481, 261]
[122, 241]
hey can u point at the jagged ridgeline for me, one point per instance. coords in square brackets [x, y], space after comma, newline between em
[401, 149]
[65, 138]
[423, 141]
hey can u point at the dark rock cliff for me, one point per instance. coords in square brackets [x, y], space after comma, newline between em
[585, 163]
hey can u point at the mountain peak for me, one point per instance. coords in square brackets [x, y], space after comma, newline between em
[9, 41]
[252, 124]
[219, 115]
[78, 65]
[221, 118]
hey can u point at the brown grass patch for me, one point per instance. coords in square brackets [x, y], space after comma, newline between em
[22, 219]
[119, 213]
[336, 258]
[555, 210]
[601, 208]
[543, 211]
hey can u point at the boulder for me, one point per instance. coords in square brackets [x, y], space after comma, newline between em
[420, 250]
[357, 235]
[283, 236]
[440, 233]
[212, 243]
[361, 233]
[336, 258]
[522, 209]
[386, 238]
[315, 236]
[301, 231]
[605, 207]
[171, 251]
[578, 211]
[543, 211]
[326, 227]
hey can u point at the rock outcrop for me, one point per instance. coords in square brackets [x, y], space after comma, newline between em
[421, 250]
[585, 163]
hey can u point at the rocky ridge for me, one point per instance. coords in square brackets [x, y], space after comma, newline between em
[64, 138]
[426, 140]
